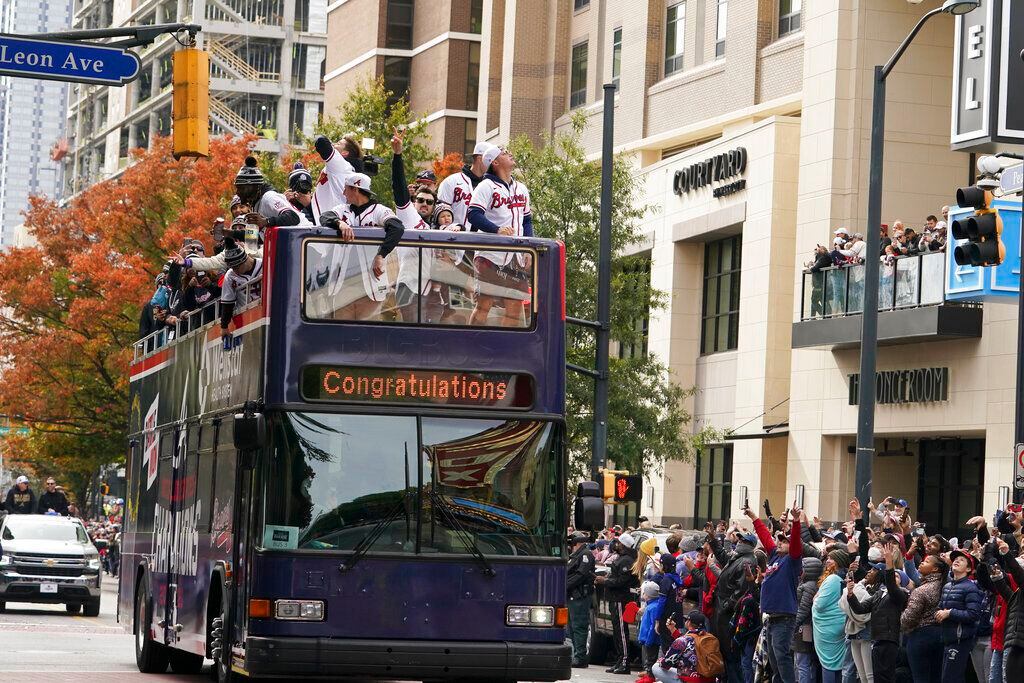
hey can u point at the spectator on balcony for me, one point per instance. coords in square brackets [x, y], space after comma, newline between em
[912, 244]
[822, 260]
[930, 223]
[945, 214]
[883, 239]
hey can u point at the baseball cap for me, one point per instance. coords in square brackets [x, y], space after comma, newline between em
[578, 537]
[426, 175]
[627, 540]
[748, 538]
[880, 566]
[490, 155]
[359, 181]
[841, 231]
[902, 503]
[21, 480]
[696, 617]
[971, 560]
[481, 148]
[667, 562]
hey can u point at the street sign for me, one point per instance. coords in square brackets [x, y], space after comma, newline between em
[67, 61]
[1018, 466]
[1012, 179]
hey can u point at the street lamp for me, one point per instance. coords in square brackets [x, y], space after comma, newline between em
[869, 324]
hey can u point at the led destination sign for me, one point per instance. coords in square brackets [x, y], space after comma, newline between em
[398, 386]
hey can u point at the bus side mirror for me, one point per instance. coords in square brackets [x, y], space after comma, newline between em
[588, 514]
[250, 432]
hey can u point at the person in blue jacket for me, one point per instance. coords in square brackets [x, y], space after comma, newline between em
[958, 615]
[778, 591]
[648, 636]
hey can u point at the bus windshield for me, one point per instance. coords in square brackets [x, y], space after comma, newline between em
[420, 285]
[422, 484]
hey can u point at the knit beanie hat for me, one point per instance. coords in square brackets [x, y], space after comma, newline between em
[841, 557]
[649, 590]
[649, 546]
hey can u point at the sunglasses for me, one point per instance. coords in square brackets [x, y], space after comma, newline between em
[428, 202]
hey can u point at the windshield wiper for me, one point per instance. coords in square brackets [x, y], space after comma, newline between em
[367, 541]
[441, 505]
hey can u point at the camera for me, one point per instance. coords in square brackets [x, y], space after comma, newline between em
[371, 164]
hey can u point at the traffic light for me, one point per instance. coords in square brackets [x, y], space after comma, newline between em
[629, 488]
[982, 230]
[608, 479]
[191, 103]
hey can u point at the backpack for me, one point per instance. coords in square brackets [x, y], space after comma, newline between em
[709, 655]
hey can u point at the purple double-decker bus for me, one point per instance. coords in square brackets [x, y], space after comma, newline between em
[368, 478]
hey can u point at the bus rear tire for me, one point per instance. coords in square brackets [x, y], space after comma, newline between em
[215, 637]
[150, 656]
[73, 608]
[92, 609]
[185, 662]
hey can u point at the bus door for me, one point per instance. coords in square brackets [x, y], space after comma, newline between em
[161, 580]
[243, 560]
[187, 619]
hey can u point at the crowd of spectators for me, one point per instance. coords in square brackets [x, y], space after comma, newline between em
[880, 598]
[850, 249]
[483, 196]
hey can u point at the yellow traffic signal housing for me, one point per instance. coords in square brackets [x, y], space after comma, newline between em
[983, 230]
[191, 103]
[608, 483]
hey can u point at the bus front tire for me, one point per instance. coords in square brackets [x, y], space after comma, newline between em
[92, 609]
[185, 662]
[150, 656]
[73, 608]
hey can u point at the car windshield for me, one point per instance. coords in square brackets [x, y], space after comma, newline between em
[413, 484]
[42, 529]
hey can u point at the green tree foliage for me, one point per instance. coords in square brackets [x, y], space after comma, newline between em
[647, 421]
[370, 111]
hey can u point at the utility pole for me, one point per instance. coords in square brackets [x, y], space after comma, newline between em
[602, 326]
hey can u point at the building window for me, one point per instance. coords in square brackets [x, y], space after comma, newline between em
[396, 77]
[721, 317]
[713, 491]
[476, 16]
[789, 17]
[399, 28]
[720, 27]
[616, 56]
[674, 23]
[473, 77]
[580, 4]
[578, 83]
[302, 15]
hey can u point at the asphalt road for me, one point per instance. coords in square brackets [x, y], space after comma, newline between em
[45, 644]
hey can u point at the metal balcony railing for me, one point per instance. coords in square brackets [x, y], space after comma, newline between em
[909, 282]
[197, 320]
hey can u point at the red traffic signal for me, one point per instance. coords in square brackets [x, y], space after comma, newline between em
[629, 488]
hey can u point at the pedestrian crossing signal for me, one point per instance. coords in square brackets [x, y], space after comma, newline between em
[629, 488]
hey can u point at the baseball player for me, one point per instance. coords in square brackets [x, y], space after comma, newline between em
[341, 159]
[360, 210]
[457, 189]
[501, 205]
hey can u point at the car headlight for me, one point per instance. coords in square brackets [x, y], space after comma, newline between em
[6, 560]
[527, 615]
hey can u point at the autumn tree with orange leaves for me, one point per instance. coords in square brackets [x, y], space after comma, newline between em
[69, 307]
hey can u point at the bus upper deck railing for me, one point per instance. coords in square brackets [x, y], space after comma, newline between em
[196, 320]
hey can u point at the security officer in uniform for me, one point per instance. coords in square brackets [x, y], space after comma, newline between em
[579, 585]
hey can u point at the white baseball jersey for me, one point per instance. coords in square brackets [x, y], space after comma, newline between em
[343, 267]
[409, 257]
[233, 289]
[272, 203]
[503, 205]
[330, 186]
[457, 190]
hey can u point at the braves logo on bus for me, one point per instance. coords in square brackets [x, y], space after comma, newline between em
[151, 451]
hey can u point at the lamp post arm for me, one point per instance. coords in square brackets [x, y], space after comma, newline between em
[906, 42]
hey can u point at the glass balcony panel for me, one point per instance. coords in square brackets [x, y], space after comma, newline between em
[933, 278]
[835, 294]
[908, 271]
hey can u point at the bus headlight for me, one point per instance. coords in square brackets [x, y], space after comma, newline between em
[526, 615]
[299, 610]
[6, 560]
